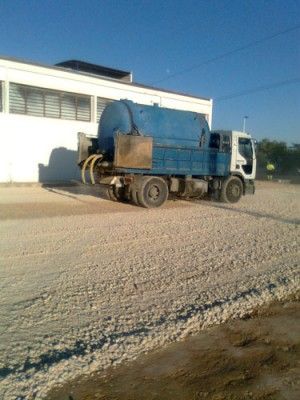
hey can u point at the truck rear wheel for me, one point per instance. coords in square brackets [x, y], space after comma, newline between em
[232, 190]
[153, 192]
[134, 197]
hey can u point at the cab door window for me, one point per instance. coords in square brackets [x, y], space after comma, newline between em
[245, 150]
[214, 141]
[225, 147]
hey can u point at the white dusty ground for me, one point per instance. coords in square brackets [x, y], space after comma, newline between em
[87, 283]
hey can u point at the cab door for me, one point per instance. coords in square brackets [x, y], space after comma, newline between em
[245, 158]
[219, 154]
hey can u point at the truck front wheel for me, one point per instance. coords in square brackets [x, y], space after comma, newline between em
[153, 192]
[232, 190]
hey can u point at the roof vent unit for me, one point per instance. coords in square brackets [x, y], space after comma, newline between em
[99, 70]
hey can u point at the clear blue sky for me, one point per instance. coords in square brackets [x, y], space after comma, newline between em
[156, 39]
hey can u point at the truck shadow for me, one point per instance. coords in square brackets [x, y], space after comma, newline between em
[62, 176]
[61, 167]
[74, 188]
[256, 214]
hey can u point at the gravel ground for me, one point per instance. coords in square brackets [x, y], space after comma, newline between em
[254, 358]
[87, 283]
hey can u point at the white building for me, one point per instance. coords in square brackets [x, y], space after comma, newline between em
[42, 108]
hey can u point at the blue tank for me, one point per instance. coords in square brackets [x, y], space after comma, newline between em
[180, 140]
[166, 126]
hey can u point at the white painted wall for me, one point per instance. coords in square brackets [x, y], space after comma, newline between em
[28, 145]
[35, 149]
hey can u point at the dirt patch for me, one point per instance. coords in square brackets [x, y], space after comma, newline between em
[255, 358]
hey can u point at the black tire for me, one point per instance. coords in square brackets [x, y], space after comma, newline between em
[116, 193]
[232, 190]
[134, 197]
[153, 192]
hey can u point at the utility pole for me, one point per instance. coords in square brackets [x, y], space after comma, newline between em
[244, 123]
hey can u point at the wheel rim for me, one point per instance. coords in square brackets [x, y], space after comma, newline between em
[153, 193]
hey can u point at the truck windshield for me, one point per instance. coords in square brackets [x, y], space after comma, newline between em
[245, 148]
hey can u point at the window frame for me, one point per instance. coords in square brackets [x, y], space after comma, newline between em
[108, 101]
[62, 95]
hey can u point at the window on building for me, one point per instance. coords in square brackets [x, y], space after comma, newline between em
[52, 105]
[101, 104]
[48, 103]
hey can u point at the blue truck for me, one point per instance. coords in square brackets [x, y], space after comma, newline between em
[144, 153]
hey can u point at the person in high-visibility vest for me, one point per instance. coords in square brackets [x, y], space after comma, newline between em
[270, 170]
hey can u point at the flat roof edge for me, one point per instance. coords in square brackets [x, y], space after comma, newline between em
[70, 71]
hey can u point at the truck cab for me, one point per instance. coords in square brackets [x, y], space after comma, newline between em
[242, 149]
[242, 165]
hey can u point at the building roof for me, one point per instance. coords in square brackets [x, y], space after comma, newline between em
[95, 69]
[125, 82]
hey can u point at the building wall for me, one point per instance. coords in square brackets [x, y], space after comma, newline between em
[40, 149]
